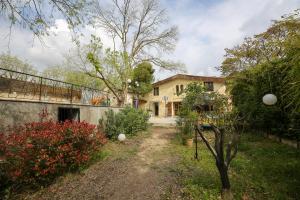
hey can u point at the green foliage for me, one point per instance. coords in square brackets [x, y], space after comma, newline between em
[187, 115]
[128, 121]
[112, 67]
[110, 124]
[193, 110]
[142, 78]
[268, 63]
[185, 124]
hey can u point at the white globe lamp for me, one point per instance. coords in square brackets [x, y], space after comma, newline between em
[269, 99]
[121, 137]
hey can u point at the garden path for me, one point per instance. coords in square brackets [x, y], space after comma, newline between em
[138, 169]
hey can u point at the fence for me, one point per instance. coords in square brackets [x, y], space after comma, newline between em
[22, 86]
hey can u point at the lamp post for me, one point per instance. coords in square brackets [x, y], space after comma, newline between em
[165, 99]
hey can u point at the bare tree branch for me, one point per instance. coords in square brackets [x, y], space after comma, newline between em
[212, 150]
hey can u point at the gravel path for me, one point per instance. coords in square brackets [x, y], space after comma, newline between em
[143, 172]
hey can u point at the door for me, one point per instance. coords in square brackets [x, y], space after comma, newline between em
[156, 108]
[177, 106]
[169, 109]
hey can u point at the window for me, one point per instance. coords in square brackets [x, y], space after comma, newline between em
[156, 91]
[209, 86]
[68, 114]
[179, 89]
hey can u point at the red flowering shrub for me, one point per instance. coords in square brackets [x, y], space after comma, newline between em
[37, 152]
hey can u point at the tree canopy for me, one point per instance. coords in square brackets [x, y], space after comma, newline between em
[268, 63]
[142, 79]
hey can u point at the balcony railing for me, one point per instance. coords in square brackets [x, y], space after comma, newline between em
[16, 85]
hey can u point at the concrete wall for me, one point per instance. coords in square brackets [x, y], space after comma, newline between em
[13, 113]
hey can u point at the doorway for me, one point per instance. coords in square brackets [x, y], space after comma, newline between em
[169, 109]
[177, 106]
[68, 114]
[156, 108]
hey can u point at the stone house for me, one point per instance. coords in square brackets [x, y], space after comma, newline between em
[166, 97]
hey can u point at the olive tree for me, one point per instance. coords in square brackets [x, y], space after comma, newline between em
[225, 124]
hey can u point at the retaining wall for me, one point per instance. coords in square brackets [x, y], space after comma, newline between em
[13, 113]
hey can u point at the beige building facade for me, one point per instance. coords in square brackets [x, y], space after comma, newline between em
[166, 97]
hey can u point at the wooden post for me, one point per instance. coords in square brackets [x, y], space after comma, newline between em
[196, 146]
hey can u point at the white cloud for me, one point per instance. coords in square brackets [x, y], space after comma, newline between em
[26, 46]
[206, 28]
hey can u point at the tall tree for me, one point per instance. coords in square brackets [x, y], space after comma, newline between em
[15, 64]
[138, 34]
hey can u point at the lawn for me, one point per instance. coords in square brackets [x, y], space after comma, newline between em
[263, 169]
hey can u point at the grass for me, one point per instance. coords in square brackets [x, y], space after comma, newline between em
[119, 150]
[263, 169]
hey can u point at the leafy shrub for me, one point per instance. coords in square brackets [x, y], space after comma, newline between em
[128, 121]
[37, 152]
[110, 125]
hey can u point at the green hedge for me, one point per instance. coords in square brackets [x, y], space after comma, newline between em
[128, 121]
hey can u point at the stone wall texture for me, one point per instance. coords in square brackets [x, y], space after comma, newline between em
[14, 113]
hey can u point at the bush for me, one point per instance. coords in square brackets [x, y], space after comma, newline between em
[36, 153]
[128, 121]
[110, 125]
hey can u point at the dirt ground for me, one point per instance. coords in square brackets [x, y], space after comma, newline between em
[138, 169]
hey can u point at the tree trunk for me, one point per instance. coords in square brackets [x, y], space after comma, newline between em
[226, 194]
[226, 191]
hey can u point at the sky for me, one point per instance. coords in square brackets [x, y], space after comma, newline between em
[206, 28]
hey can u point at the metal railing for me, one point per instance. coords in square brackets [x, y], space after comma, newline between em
[23, 86]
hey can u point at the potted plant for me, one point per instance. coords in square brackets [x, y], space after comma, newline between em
[186, 127]
[187, 134]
